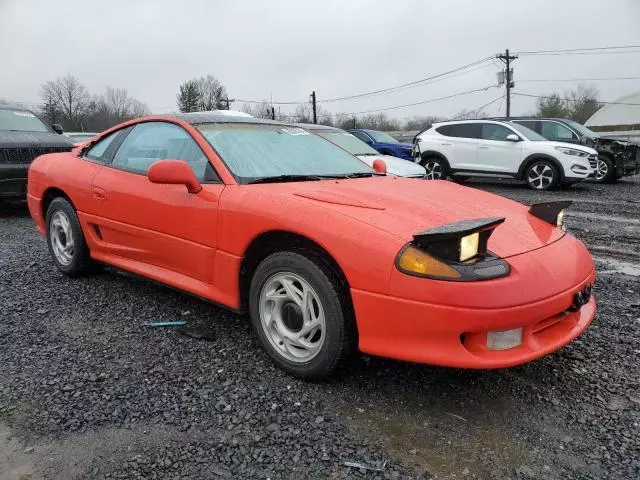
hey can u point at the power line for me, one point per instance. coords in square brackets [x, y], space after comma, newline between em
[570, 50]
[580, 53]
[572, 100]
[417, 103]
[580, 79]
[479, 109]
[416, 82]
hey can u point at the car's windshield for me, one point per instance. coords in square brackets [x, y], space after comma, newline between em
[382, 137]
[20, 120]
[255, 151]
[527, 133]
[581, 128]
[350, 143]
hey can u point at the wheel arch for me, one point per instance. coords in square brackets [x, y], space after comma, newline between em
[49, 195]
[433, 153]
[274, 241]
[539, 156]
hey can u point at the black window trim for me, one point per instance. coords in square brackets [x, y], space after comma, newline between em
[125, 132]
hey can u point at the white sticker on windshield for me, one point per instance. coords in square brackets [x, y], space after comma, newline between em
[24, 114]
[295, 131]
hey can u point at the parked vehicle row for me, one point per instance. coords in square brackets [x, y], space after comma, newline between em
[616, 158]
[325, 254]
[501, 148]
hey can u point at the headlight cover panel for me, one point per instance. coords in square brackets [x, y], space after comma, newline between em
[443, 243]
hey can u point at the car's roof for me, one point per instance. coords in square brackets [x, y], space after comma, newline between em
[15, 108]
[478, 120]
[525, 117]
[316, 126]
[198, 118]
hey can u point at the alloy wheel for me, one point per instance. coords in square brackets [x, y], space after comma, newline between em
[434, 170]
[602, 169]
[62, 242]
[540, 176]
[292, 317]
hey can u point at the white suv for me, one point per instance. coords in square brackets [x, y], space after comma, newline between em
[501, 148]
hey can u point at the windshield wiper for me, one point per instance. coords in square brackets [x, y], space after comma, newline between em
[358, 175]
[287, 178]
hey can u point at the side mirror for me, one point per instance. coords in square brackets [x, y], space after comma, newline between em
[57, 128]
[174, 172]
[512, 137]
[379, 166]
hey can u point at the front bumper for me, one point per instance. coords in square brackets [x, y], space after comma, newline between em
[457, 337]
[13, 180]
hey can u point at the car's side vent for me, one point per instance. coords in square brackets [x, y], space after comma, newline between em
[23, 156]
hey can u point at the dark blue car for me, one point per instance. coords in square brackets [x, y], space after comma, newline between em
[385, 143]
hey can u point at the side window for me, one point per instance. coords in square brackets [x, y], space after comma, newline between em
[461, 130]
[362, 136]
[149, 142]
[530, 124]
[493, 131]
[98, 151]
[556, 131]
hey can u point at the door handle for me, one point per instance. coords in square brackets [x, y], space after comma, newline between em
[445, 143]
[484, 147]
[99, 193]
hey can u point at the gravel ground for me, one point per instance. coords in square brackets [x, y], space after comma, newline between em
[88, 391]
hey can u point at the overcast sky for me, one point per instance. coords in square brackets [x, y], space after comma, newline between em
[286, 49]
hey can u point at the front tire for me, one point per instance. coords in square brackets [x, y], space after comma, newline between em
[436, 168]
[605, 170]
[542, 175]
[299, 316]
[66, 240]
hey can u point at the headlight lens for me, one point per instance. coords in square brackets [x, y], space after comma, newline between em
[469, 246]
[572, 151]
[415, 261]
[560, 220]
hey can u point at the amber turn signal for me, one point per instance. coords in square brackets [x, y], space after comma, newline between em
[416, 262]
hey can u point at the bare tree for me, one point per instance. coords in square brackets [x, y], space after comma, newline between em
[69, 96]
[118, 103]
[212, 94]
[421, 123]
[465, 114]
[258, 110]
[582, 102]
[138, 108]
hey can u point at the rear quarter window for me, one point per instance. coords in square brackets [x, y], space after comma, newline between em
[463, 130]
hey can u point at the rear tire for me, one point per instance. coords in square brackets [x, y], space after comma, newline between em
[66, 240]
[306, 338]
[436, 167]
[542, 175]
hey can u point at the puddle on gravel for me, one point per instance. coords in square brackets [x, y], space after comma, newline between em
[610, 266]
[445, 443]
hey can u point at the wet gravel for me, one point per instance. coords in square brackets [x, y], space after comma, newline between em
[88, 391]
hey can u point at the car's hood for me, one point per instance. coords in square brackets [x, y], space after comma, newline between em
[396, 166]
[403, 207]
[10, 139]
[575, 146]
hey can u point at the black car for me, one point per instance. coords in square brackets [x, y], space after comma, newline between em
[616, 158]
[23, 137]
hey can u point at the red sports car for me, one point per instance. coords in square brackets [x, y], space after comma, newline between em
[325, 254]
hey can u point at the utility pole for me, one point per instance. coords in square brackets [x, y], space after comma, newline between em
[508, 76]
[313, 104]
[273, 113]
